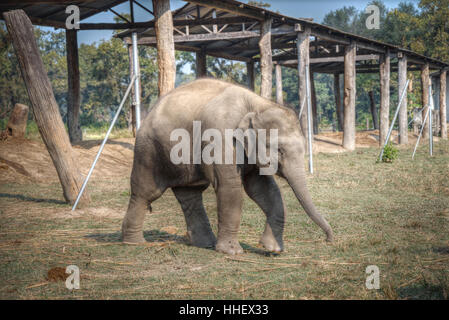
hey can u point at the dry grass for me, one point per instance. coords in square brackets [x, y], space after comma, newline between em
[394, 216]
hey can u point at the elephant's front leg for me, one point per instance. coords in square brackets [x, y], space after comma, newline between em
[264, 191]
[229, 205]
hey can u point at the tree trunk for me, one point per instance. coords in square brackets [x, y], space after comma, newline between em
[201, 64]
[443, 120]
[384, 97]
[266, 64]
[373, 110]
[74, 95]
[302, 44]
[403, 114]
[165, 46]
[349, 98]
[314, 104]
[425, 83]
[279, 92]
[338, 106]
[45, 108]
[17, 123]
[250, 74]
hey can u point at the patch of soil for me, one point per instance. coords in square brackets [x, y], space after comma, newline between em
[56, 274]
[24, 161]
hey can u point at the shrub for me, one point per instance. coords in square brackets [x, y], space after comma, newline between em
[390, 153]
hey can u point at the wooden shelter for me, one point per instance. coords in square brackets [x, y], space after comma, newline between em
[233, 30]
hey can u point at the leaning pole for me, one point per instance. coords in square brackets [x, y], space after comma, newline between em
[43, 102]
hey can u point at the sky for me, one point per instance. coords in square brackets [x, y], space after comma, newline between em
[315, 9]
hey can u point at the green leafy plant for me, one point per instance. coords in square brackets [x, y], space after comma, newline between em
[390, 153]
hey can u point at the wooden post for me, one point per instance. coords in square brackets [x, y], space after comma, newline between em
[279, 92]
[45, 108]
[165, 46]
[250, 74]
[443, 120]
[425, 82]
[314, 103]
[266, 64]
[373, 110]
[133, 101]
[384, 113]
[201, 64]
[17, 122]
[403, 114]
[349, 98]
[74, 94]
[338, 106]
[302, 44]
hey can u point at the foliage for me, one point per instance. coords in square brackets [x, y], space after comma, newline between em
[390, 153]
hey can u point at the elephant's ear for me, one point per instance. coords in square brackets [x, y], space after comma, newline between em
[247, 121]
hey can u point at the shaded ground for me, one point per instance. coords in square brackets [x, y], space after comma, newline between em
[394, 216]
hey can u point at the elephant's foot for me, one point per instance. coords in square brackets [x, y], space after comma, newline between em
[133, 238]
[229, 246]
[269, 242]
[202, 238]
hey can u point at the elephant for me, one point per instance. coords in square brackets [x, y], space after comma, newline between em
[220, 105]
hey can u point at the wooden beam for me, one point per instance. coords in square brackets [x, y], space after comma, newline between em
[443, 116]
[403, 114]
[279, 92]
[373, 110]
[201, 64]
[334, 59]
[338, 106]
[74, 93]
[349, 98]
[165, 46]
[384, 113]
[45, 108]
[47, 23]
[239, 10]
[425, 82]
[314, 103]
[250, 74]
[302, 42]
[266, 63]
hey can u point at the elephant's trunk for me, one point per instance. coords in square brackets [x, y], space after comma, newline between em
[297, 181]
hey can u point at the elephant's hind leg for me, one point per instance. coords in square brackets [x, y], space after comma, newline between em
[264, 191]
[198, 226]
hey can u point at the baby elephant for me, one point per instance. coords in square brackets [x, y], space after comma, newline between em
[202, 113]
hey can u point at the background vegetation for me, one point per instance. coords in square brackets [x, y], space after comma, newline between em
[104, 66]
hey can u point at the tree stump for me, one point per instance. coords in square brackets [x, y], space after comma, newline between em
[17, 123]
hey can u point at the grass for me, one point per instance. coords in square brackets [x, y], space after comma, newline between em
[393, 215]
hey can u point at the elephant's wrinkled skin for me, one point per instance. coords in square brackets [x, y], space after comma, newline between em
[222, 106]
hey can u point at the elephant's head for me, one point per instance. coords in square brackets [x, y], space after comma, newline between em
[290, 154]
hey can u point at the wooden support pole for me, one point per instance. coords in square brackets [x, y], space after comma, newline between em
[425, 83]
[45, 108]
[349, 98]
[338, 106]
[165, 46]
[384, 113]
[74, 93]
[314, 103]
[250, 74]
[403, 113]
[201, 64]
[443, 119]
[133, 97]
[373, 110]
[17, 122]
[302, 43]
[279, 92]
[266, 64]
